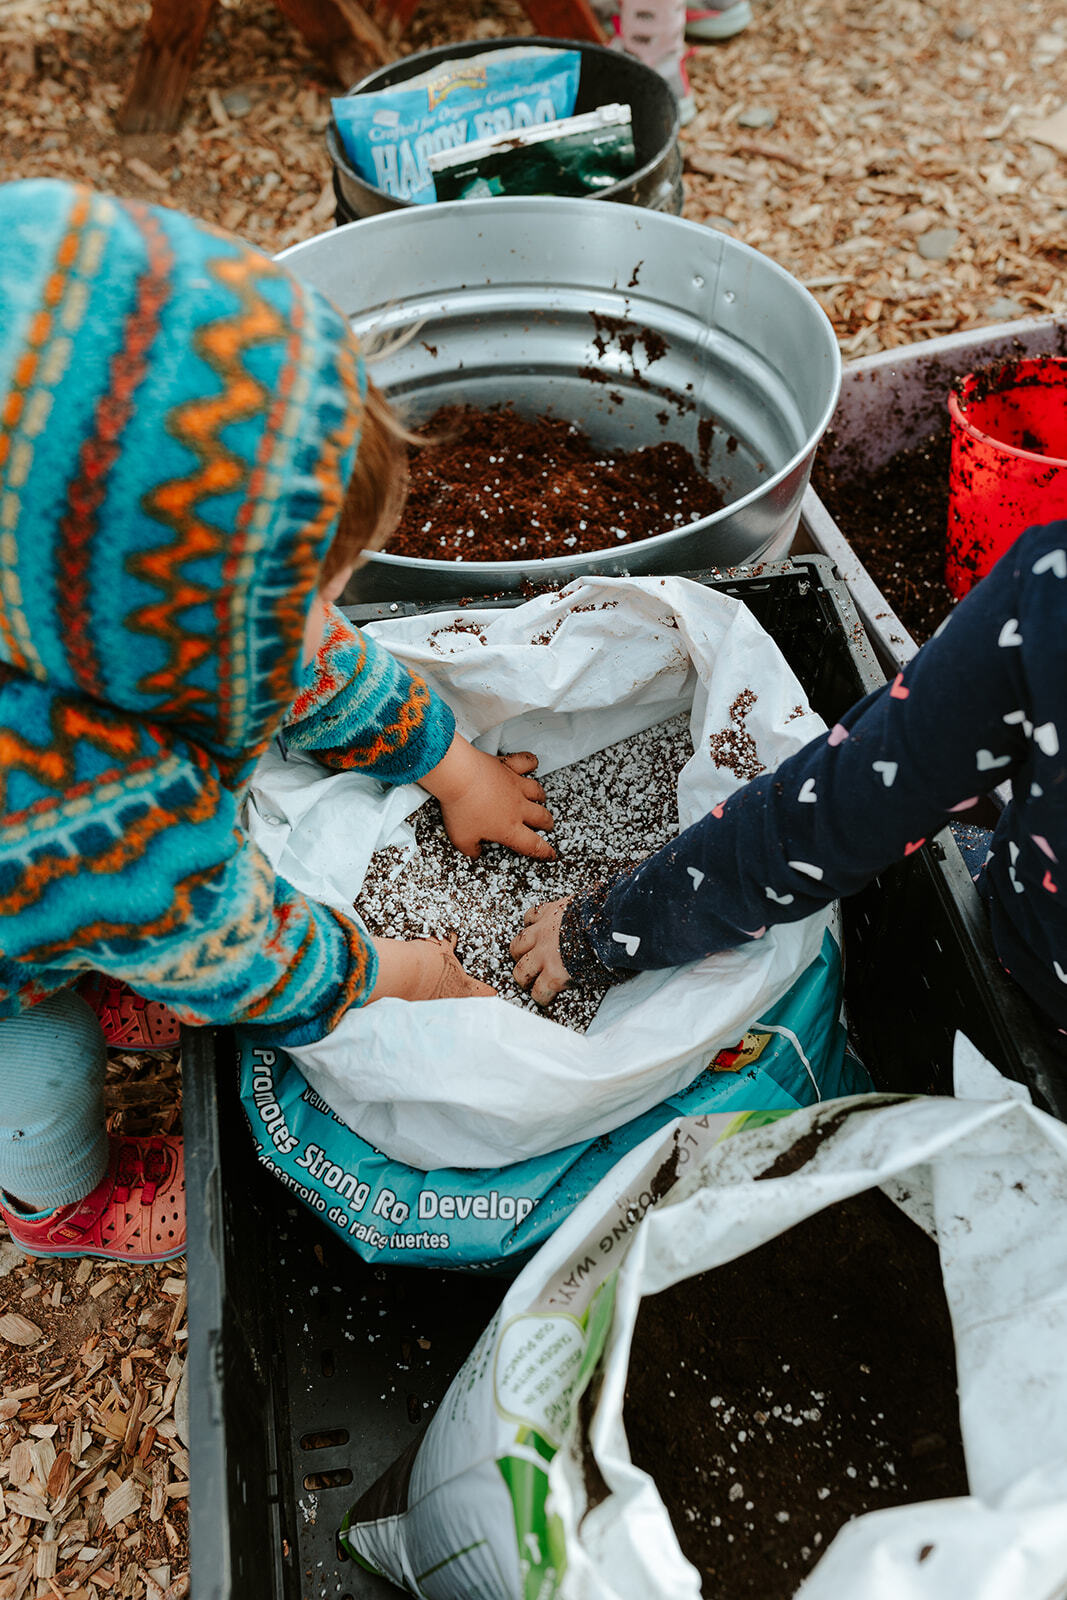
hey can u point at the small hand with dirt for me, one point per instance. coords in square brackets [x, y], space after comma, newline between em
[423, 969]
[492, 799]
[538, 964]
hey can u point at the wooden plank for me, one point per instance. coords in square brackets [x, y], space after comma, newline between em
[340, 31]
[172, 39]
[565, 19]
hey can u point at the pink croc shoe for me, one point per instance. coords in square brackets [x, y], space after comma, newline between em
[129, 1022]
[136, 1212]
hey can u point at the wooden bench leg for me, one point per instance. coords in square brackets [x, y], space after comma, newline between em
[394, 16]
[565, 19]
[172, 39]
[341, 32]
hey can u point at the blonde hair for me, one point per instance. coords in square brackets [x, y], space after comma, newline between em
[374, 498]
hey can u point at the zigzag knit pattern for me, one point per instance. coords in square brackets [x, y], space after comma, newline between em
[178, 419]
[366, 713]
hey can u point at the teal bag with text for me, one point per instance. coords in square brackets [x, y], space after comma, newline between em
[389, 1212]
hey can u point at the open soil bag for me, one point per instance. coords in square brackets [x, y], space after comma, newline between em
[397, 1126]
[525, 1482]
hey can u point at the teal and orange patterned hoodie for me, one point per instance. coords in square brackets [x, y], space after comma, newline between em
[178, 419]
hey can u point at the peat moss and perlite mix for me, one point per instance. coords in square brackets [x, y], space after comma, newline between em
[496, 486]
[611, 810]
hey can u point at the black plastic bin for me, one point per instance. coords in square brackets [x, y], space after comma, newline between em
[607, 77]
[310, 1370]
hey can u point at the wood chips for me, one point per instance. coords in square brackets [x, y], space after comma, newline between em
[897, 137]
[845, 139]
[93, 1477]
[878, 151]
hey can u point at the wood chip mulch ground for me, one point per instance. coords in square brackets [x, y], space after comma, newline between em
[879, 151]
[94, 1480]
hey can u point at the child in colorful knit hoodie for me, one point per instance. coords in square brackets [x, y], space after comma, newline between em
[190, 464]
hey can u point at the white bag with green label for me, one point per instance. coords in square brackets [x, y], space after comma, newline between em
[492, 1503]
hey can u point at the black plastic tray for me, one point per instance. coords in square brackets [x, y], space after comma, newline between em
[310, 1370]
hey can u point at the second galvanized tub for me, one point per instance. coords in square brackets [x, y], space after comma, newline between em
[636, 325]
[607, 76]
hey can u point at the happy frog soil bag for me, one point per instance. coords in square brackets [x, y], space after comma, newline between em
[483, 1083]
[457, 1217]
[523, 1485]
[390, 134]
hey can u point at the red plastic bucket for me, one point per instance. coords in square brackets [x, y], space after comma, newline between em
[1009, 461]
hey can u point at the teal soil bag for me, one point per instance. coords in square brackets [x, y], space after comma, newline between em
[390, 134]
[454, 1217]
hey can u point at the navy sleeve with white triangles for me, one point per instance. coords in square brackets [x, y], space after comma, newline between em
[982, 701]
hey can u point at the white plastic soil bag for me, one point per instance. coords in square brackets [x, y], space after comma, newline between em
[483, 1083]
[494, 1503]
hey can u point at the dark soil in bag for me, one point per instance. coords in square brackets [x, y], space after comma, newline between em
[495, 486]
[804, 1384]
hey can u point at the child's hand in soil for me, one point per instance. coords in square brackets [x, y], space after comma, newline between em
[490, 798]
[538, 964]
[423, 969]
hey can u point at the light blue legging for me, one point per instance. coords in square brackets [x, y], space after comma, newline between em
[53, 1147]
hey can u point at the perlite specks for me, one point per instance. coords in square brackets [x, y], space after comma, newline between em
[611, 810]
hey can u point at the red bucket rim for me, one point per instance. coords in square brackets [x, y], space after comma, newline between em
[958, 416]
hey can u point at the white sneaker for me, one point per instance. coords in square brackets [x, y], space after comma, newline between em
[703, 27]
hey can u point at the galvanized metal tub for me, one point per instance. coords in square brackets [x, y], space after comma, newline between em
[636, 325]
[606, 76]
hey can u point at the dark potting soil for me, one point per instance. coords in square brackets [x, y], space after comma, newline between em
[804, 1384]
[896, 519]
[495, 486]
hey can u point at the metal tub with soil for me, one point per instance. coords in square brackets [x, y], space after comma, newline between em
[877, 503]
[637, 327]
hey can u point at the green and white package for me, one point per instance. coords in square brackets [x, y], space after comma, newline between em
[574, 156]
[522, 1488]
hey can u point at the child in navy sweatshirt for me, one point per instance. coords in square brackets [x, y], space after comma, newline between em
[982, 701]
